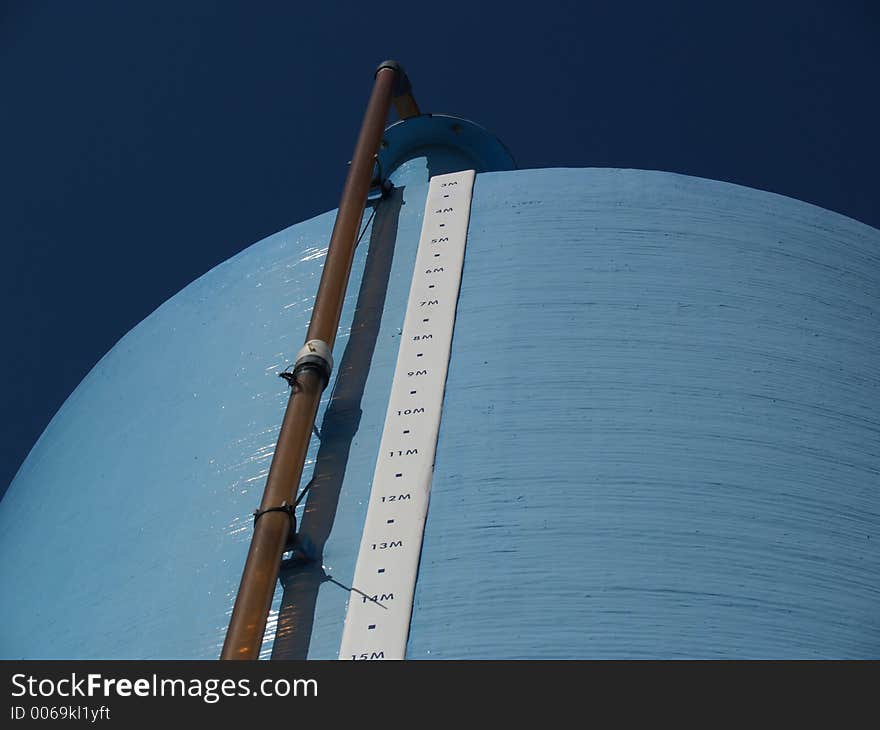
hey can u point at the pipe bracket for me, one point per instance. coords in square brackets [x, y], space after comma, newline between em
[315, 354]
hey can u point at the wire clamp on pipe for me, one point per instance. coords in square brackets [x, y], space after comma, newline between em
[315, 354]
[289, 377]
[380, 182]
[288, 509]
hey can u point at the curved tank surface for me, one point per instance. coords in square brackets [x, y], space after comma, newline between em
[659, 438]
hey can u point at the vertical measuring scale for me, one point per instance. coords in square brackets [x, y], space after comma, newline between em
[380, 604]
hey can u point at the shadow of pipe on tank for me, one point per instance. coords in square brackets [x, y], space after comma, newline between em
[301, 579]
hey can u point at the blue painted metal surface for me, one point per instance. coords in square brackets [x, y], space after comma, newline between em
[449, 143]
[660, 437]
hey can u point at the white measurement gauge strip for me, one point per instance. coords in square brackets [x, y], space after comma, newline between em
[380, 604]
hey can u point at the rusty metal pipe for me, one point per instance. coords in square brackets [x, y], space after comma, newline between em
[254, 599]
[405, 105]
[404, 102]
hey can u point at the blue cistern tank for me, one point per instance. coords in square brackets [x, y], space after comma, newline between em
[659, 435]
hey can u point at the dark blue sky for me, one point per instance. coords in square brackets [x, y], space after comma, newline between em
[143, 143]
